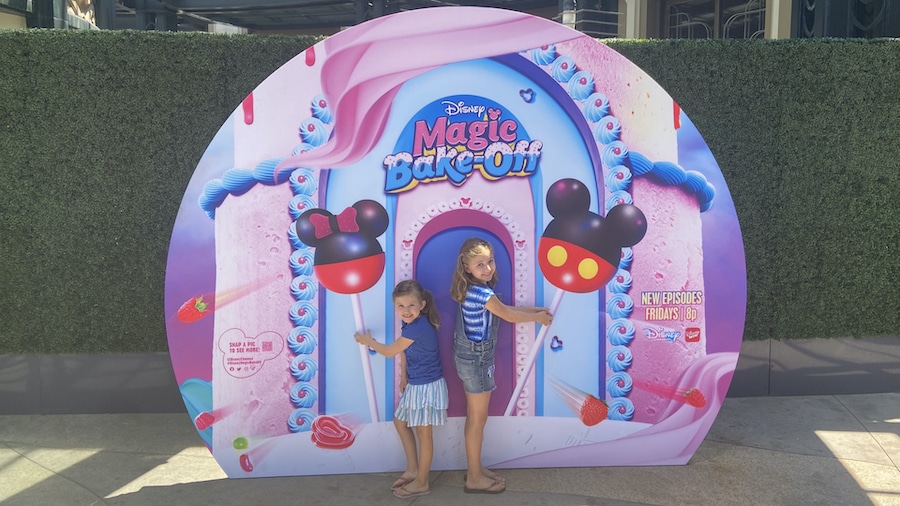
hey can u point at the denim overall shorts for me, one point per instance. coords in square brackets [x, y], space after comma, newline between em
[475, 359]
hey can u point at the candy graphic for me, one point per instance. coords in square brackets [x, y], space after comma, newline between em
[328, 432]
[246, 465]
[204, 420]
[589, 409]
[255, 454]
[348, 260]
[579, 251]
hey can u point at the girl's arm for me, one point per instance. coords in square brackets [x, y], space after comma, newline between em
[515, 314]
[403, 378]
[388, 350]
[531, 309]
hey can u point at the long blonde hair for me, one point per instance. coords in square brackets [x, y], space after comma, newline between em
[461, 279]
[412, 287]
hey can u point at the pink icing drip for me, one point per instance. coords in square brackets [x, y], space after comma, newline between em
[362, 71]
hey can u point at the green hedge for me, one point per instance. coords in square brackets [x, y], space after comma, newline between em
[101, 132]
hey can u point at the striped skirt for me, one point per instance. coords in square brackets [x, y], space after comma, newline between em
[424, 404]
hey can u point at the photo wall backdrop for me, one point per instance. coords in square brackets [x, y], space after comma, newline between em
[368, 159]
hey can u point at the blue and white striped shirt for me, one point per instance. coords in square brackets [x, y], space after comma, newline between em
[476, 317]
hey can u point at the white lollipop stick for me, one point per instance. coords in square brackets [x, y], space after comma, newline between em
[535, 349]
[364, 355]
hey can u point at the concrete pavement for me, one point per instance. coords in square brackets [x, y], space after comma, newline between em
[830, 450]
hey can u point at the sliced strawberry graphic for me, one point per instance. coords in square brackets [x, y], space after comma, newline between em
[593, 411]
[192, 310]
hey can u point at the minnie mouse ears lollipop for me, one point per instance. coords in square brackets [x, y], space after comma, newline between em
[579, 250]
[348, 257]
[348, 260]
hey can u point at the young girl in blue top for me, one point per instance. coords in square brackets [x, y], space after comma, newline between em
[423, 398]
[473, 348]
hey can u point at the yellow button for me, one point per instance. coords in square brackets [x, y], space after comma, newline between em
[588, 268]
[557, 256]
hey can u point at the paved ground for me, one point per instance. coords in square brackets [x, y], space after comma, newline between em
[830, 450]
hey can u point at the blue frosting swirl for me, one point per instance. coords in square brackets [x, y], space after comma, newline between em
[266, 173]
[212, 196]
[303, 182]
[313, 132]
[302, 340]
[294, 239]
[626, 257]
[302, 148]
[669, 173]
[618, 197]
[563, 69]
[304, 367]
[619, 305]
[543, 55]
[301, 261]
[640, 164]
[618, 358]
[301, 420]
[607, 129]
[621, 409]
[620, 332]
[581, 85]
[706, 197]
[595, 107]
[618, 384]
[303, 313]
[614, 154]
[238, 181]
[320, 109]
[303, 288]
[620, 283]
[300, 204]
[694, 181]
[618, 178]
[304, 395]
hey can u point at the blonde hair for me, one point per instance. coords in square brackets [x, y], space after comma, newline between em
[412, 287]
[461, 279]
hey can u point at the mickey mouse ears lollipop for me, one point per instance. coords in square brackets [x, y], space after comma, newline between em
[580, 250]
[348, 257]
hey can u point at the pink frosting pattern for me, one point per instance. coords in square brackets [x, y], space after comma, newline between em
[361, 73]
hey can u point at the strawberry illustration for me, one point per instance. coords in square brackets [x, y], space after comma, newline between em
[593, 411]
[695, 398]
[192, 310]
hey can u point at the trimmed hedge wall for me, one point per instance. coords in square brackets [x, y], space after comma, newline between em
[101, 131]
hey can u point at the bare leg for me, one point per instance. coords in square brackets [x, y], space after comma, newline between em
[476, 419]
[408, 439]
[426, 453]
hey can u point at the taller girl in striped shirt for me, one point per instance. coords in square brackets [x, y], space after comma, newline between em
[480, 312]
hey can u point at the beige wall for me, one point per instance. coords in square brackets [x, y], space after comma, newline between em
[9, 20]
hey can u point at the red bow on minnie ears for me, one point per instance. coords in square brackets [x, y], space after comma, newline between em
[346, 222]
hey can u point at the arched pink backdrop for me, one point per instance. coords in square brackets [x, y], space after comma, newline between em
[450, 123]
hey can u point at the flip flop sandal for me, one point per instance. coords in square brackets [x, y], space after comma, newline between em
[404, 493]
[401, 482]
[495, 488]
